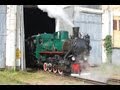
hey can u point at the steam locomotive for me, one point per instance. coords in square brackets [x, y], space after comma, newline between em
[58, 53]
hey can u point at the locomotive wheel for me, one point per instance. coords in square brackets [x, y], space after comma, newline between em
[50, 67]
[45, 67]
[60, 71]
[54, 70]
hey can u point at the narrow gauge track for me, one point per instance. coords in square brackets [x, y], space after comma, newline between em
[92, 82]
[110, 81]
[113, 81]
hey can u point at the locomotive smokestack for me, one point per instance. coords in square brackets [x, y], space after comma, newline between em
[75, 32]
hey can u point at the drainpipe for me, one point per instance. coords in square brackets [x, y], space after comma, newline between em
[15, 32]
[109, 20]
[18, 35]
[15, 37]
[22, 40]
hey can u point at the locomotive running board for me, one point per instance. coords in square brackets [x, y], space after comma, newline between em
[52, 52]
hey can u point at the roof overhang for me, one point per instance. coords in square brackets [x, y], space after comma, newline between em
[89, 10]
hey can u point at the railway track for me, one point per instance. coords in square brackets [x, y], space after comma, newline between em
[87, 81]
[113, 81]
[109, 81]
[93, 82]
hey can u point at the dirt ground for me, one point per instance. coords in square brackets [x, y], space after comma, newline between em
[106, 70]
[39, 77]
[35, 78]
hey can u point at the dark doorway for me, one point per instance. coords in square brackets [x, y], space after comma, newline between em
[35, 22]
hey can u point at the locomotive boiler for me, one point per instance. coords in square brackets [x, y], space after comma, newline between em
[58, 53]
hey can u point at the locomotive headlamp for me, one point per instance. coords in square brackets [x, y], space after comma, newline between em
[85, 58]
[73, 58]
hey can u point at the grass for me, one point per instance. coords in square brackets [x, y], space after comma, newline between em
[13, 77]
[16, 77]
[10, 77]
[7, 78]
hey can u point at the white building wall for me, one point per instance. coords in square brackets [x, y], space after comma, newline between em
[11, 35]
[105, 31]
[115, 52]
[15, 56]
[3, 11]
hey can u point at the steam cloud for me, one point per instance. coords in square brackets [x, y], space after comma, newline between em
[57, 12]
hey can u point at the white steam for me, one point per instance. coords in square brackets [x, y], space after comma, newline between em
[57, 12]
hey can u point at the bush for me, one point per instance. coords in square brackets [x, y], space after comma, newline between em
[108, 47]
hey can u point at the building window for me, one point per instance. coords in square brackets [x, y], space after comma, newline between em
[116, 32]
[114, 24]
[119, 25]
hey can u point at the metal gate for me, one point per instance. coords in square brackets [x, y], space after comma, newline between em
[3, 10]
[91, 23]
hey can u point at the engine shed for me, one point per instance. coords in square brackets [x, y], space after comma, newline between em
[24, 21]
[19, 22]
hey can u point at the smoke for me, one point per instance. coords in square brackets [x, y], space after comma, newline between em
[57, 12]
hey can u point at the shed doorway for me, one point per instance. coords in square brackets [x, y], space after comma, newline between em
[35, 22]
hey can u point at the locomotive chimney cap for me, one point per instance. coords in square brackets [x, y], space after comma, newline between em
[76, 27]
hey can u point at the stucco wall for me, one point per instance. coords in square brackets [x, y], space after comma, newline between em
[116, 56]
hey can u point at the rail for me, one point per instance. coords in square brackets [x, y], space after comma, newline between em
[87, 81]
[109, 81]
[113, 81]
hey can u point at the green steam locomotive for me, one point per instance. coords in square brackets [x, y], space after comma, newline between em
[57, 52]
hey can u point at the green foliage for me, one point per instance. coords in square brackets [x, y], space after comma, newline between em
[108, 46]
